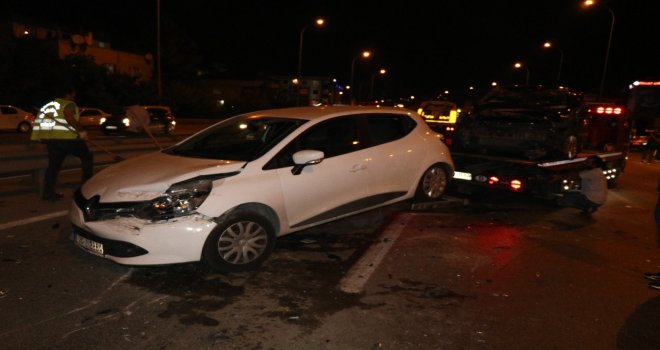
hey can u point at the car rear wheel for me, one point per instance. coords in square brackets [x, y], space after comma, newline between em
[433, 184]
[242, 241]
[24, 127]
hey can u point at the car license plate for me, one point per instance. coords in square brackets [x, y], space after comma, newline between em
[110, 127]
[88, 244]
[462, 176]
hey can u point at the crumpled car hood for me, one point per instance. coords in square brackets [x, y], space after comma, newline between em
[147, 176]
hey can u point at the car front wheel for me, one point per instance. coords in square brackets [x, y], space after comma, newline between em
[433, 184]
[242, 241]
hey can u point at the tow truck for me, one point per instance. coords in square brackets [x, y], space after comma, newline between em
[605, 133]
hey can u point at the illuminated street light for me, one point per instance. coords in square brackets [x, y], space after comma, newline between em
[364, 54]
[519, 65]
[319, 22]
[548, 45]
[589, 3]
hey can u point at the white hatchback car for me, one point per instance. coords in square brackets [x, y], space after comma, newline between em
[224, 195]
[92, 117]
[14, 118]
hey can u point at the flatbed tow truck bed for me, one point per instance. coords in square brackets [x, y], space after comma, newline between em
[542, 178]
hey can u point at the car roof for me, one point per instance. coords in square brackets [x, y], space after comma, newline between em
[322, 112]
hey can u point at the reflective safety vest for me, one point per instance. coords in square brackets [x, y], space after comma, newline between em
[51, 122]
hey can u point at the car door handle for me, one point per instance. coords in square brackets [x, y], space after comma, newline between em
[358, 167]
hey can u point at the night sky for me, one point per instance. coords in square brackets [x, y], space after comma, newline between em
[426, 49]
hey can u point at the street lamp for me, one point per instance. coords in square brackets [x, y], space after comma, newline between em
[519, 65]
[589, 3]
[548, 44]
[382, 71]
[364, 54]
[159, 83]
[319, 22]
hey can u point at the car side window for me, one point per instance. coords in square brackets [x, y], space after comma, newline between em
[384, 128]
[8, 110]
[333, 137]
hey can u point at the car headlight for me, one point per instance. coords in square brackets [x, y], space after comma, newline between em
[183, 198]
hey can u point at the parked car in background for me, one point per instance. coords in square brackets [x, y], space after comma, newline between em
[161, 121]
[92, 117]
[531, 122]
[223, 195]
[638, 142]
[440, 115]
[14, 118]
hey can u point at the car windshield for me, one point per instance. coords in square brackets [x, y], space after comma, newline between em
[242, 138]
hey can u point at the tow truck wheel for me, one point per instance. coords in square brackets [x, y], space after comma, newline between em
[433, 184]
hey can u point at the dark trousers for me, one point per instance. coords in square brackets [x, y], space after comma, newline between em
[576, 200]
[58, 150]
[656, 215]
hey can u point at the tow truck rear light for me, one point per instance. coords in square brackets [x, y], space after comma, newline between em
[615, 110]
[515, 185]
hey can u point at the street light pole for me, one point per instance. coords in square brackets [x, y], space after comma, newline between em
[319, 22]
[607, 53]
[548, 44]
[158, 76]
[365, 54]
[589, 3]
[519, 65]
[381, 71]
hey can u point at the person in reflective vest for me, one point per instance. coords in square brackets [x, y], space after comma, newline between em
[57, 126]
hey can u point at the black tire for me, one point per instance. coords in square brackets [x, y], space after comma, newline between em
[433, 184]
[243, 241]
[24, 127]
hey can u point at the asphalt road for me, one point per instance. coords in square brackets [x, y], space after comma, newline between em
[503, 272]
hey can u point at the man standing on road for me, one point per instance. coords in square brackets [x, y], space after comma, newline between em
[138, 118]
[58, 127]
[654, 277]
[593, 184]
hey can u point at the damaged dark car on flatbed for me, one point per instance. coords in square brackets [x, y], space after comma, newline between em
[531, 122]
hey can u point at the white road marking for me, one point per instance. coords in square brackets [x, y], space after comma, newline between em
[358, 275]
[33, 219]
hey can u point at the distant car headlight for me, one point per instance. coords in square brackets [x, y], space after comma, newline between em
[126, 121]
[102, 120]
[183, 198]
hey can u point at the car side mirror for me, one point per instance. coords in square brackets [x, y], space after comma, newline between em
[304, 158]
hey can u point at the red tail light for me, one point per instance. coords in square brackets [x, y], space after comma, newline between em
[493, 180]
[516, 185]
[615, 110]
